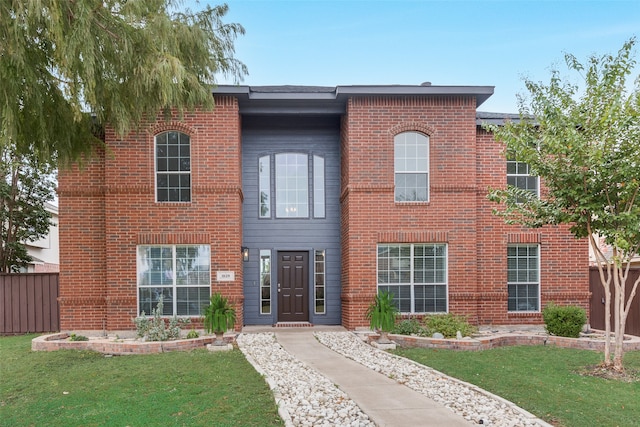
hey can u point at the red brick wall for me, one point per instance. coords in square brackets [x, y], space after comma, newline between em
[564, 260]
[462, 166]
[82, 245]
[109, 208]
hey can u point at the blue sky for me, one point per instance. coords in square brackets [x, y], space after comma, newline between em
[493, 43]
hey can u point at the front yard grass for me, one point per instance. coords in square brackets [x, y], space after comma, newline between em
[82, 388]
[546, 381]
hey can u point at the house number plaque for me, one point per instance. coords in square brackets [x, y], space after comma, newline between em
[225, 276]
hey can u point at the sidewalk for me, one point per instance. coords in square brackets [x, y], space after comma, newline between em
[386, 402]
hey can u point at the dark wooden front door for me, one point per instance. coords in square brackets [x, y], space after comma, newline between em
[293, 287]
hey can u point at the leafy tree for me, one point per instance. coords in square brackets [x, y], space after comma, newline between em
[68, 66]
[25, 186]
[584, 143]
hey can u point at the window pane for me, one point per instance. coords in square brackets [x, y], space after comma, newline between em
[190, 301]
[523, 278]
[411, 187]
[411, 161]
[518, 175]
[149, 297]
[421, 267]
[173, 159]
[163, 195]
[265, 282]
[264, 186]
[292, 185]
[318, 187]
[319, 283]
[180, 272]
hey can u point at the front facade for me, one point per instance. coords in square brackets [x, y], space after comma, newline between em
[299, 204]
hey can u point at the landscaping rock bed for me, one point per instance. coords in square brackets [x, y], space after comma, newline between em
[117, 345]
[473, 403]
[492, 338]
[304, 397]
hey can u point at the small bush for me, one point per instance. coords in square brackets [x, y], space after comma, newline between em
[410, 327]
[219, 316]
[155, 328]
[193, 334]
[564, 321]
[75, 337]
[448, 325]
[382, 312]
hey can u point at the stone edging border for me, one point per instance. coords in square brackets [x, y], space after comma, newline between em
[509, 339]
[103, 345]
[57, 341]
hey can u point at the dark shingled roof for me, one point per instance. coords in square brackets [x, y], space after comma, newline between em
[484, 117]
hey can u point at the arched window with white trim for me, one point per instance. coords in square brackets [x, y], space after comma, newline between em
[173, 167]
[411, 160]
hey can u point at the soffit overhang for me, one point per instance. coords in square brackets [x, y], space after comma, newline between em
[332, 100]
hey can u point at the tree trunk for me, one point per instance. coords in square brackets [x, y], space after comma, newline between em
[606, 283]
[619, 346]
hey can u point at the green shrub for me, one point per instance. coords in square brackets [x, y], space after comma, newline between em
[219, 316]
[75, 337]
[155, 328]
[382, 312]
[564, 321]
[410, 327]
[193, 334]
[448, 325]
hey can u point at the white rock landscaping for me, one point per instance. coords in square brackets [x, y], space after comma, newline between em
[474, 404]
[306, 398]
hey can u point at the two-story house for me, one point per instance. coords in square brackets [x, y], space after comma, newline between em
[300, 203]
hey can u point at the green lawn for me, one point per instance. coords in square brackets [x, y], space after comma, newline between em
[545, 381]
[73, 388]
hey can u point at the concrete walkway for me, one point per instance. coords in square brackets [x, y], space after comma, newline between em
[386, 402]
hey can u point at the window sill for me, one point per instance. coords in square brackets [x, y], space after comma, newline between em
[411, 203]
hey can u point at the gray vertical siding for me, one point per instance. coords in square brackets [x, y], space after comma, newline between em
[317, 135]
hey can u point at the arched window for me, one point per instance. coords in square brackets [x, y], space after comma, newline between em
[411, 158]
[173, 167]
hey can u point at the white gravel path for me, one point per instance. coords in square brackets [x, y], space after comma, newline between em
[306, 398]
[467, 400]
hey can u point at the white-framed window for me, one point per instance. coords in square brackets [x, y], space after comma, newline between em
[264, 187]
[319, 282]
[523, 277]
[297, 176]
[416, 275]
[318, 187]
[181, 274]
[292, 185]
[519, 175]
[411, 160]
[173, 167]
[265, 281]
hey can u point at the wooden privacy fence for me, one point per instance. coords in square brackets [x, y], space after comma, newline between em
[596, 317]
[29, 303]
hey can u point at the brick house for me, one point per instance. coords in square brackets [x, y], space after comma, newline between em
[299, 203]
